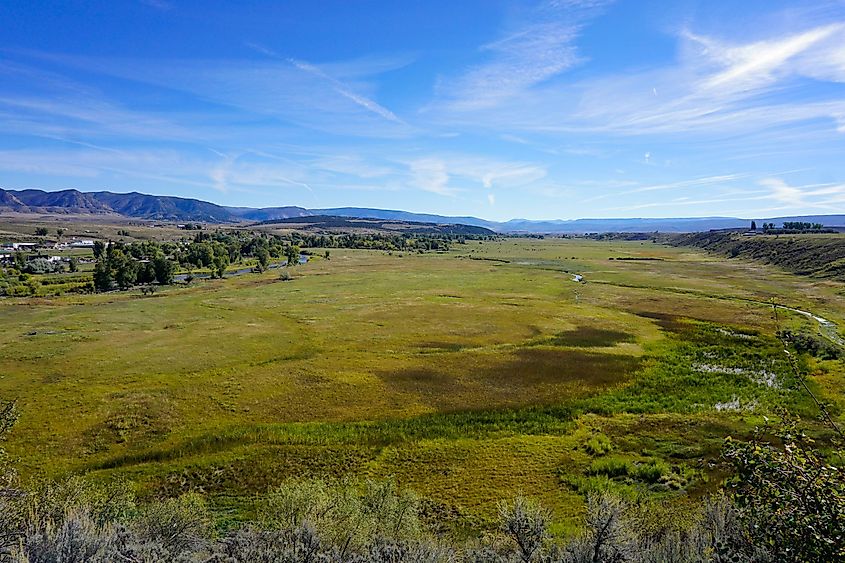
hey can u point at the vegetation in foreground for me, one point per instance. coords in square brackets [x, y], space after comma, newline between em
[784, 504]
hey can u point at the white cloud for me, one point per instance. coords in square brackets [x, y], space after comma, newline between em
[783, 192]
[430, 175]
[716, 87]
[757, 64]
[450, 174]
[491, 199]
[534, 51]
[829, 196]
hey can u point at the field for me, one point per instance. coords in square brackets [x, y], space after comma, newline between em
[469, 376]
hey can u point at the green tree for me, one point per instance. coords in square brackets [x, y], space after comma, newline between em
[60, 232]
[99, 249]
[263, 255]
[219, 265]
[103, 278]
[164, 269]
[73, 264]
[41, 231]
[125, 269]
[146, 273]
[292, 254]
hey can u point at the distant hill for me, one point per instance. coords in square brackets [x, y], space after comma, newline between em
[633, 225]
[11, 202]
[133, 204]
[370, 213]
[169, 208]
[163, 207]
[328, 223]
[65, 201]
[269, 213]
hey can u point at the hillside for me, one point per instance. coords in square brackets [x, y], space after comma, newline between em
[269, 213]
[820, 255]
[141, 206]
[396, 215]
[163, 207]
[329, 223]
[65, 201]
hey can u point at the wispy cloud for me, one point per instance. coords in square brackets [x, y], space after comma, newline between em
[430, 175]
[534, 51]
[343, 89]
[755, 65]
[89, 116]
[291, 91]
[693, 183]
[716, 87]
[158, 5]
[825, 196]
[433, 173]
[346, 92]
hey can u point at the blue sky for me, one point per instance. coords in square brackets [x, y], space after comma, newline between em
[494, 108]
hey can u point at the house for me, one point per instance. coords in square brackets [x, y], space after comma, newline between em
[82, 244]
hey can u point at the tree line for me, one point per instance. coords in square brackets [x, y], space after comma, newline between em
[124, 265]
[792, 226]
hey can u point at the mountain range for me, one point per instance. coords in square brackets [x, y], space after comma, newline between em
[169, 208]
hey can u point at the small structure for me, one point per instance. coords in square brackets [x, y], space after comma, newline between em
[20, 245]
[82, 244]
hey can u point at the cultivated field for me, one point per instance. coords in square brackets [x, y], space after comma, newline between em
[468, 376]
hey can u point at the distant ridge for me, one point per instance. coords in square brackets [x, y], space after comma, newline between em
[170, 208]
[341, 223]
[137, 205]
[269, 213]
[366, 212]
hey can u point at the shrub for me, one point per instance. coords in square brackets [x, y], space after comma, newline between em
[348, 516]
[650, 471]
[611, 467]
[598, 445]
[791, 498]
[811, 344]
[526, 523]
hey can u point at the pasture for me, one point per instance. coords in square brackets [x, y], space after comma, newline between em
[469, 375]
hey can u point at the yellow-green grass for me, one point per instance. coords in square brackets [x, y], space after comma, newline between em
[469, 380]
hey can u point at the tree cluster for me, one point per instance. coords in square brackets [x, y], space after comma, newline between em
[802, 226]
[124, 266]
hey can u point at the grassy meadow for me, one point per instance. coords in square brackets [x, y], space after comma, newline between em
[468, 376]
